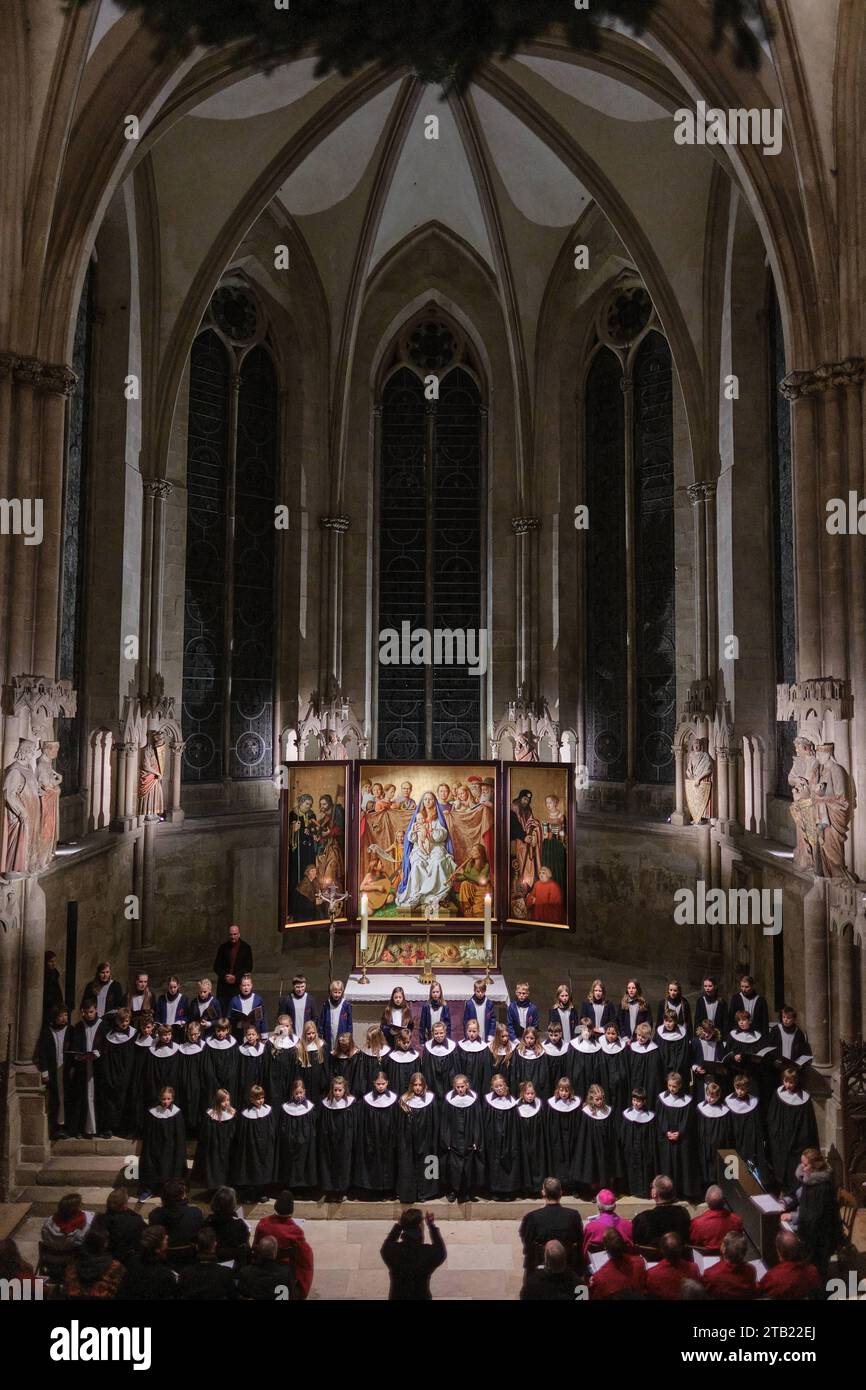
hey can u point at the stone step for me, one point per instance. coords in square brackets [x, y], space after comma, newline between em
[88, 1170]
[121, 1147]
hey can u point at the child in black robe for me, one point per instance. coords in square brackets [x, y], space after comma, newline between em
[613, 1068]
[135, 1106]
[297, 1166]
[402, 1062]
[281, 1062]
[346, 1060]
[163, 1146]
[584, 1058]
[221, 1067]
[597, 1160]
[500, 1140]
[677, 1135]
[462, 1141]
[253, 1164]
[216, 1136]
[557, 1052]
[791, 1128]
[51, 1060]
[531, 1152]
[714, 1132]
[313, 1063]
[500, 1052]
[645, 1063]
[747, 1126]
[561, 1120]
[373, 1059]
[638, 1143]
[252, 1061]
[192, 1079]
[708, 1053]
[417, 1143]
[161, 1065]
[752, 1053]
[337, 1131]
[674, 1048]
[114, 1074]
[376, 1140]
[439, 1061]
[529, 1063]
[474, 1059]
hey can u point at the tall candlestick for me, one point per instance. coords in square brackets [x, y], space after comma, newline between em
[365, 913]
[488, 924]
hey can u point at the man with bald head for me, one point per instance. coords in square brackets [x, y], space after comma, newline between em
[233, 959]
[793, 1277]
[708, 1230]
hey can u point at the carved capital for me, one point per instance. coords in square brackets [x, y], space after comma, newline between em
[825, 377]
[43, 376]
[59, 380]
[701, 492]
[520, 525]
[340, 524]
[158, 487]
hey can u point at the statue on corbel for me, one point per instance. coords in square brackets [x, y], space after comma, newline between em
[29, 815]
[821, 804]
[337, 735]
[148, 731]
[527, 724]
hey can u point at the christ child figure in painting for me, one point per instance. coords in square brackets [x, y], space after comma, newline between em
[545, 899]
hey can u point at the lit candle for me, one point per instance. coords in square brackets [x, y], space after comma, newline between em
[365, 913]
[488, 925]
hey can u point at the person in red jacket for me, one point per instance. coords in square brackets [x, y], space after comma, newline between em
[666, 1279]
[621, 1273]
[733, 1277]
[708, 1230]
[292, 1246]
[793, 1277]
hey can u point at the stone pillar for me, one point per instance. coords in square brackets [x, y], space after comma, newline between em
[678, 817]
[175, 814]
[816, 969]
[156, 491]
[732, 771]
[722, 802]
[335, 527]
[807, 514]
[699, 495]
[524, 528]
[846, 1021]
[32, 971]
[130, 799]
[148, 884]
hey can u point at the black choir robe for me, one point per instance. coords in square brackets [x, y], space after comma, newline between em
[756, 1054]
[192, 1083]
[675, 1054]
[747, 1133]
[281, 1070]
[400, 1067]
[461, 1137]
[721, 1019]
[584, 1065]
[83, 1044]
[221, 1068]
[639, 1150]
[531, 1149]
[213, 1154]
[254, 1157]
[113, 1079]
[791, 1128]
[337, 1131]
[596, 1159]
[713, 1133]
[645, 1070]
[375, 1167]
[58, 1076]
[500, 1145]
[758, 1010]
[561, 1121]
[315, 1073]
[678, 1158]
[558, 1061]
[297, 1165]
[161, 1067]
[163, 1147]
[475, 1061]
[206, 1012]
[438, 1065]
[614, 1078]
[368, 1067]
[790, 1046]
[252, 1070]
[710, 1057]
[417, 1142]
[526, 1066]
[624, 1019]
[135, 1106]
[683, 1010]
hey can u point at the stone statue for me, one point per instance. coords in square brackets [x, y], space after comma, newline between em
[699, 773]
[20, 827]
[525, 747]
[832, 813]
[151, 802]
[49, 800]
[802, 810]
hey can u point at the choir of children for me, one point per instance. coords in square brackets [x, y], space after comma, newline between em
[598, 1099]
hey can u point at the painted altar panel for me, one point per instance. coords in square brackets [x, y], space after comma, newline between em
[313, 843]
[540, 836]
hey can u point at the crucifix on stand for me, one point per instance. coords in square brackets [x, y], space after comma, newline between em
[333, 901]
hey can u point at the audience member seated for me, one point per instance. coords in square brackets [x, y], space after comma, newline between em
[553, 1221]
[231, 1231]
[207, 1278]
[122, 1226]
[148, 1278]
[263, 1279]
[607, 1220]
[733, 1277]
[63, 1232]
[293, 1248]
[93, 1272]
[621, 1272]
[708, 1230]
[410, 1262]
[12, 1266]
[793, 1277]
[667, 1215]
[554, 1281]
[180, 1222]
[666, 1279]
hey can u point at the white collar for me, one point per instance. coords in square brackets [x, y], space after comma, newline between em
[255, 1051]
[368, 1053]
[380, 1102]
[552, 1050]
[639, 1117]
[536, 1056]
[441, 1049]
[144, 1041]
[671, 1036]
[221, 1043]
[525, 1111]
[221, 1115]
[612, 1049]
[712, 1112]
[461, 1102]
[159, 1114]
[500, 1102]
[339, 1104]
[476, 1045]
[564, 1106]
[421, 1102]
[404, 1056]
[190, 1049]
[282, 1044]
[291, 1107]
[744, 1037]
[644, 1047]
[675, 1102]
[114, 1037]
[792, 1097]
[256, 1112]
[741, 1107]
[580, 1045]
[165, 1051]
[602, 1114]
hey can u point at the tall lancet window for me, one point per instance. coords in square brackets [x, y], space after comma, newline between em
[430, 491]
[628, 486]
[232, 456]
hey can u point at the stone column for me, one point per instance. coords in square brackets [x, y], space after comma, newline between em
[733, 778]
[32, 971]
[334, 527]
[679, 816]
[148, 884]
[156, 492]
[697, 494]
[524, 528]
[846, 1021]
[816, 970]
[722, 802]
[175, 813]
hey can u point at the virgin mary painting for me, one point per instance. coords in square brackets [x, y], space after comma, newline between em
[428, 857]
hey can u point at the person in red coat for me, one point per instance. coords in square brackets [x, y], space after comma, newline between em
[292, 1246]
[708, 1230]
[733, 1277]
[545, 899]
[621, 1273]
[793, 1277]
[666, 1279]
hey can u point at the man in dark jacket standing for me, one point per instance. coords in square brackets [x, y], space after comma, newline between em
[410, 1262]
[553, 1221]
[233, 959]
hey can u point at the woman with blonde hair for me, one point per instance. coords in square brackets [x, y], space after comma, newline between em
[598, 1008]
[501, 1050]
[345, 1059]
[417, 1139]
[215, 1142]
[313, 1063]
